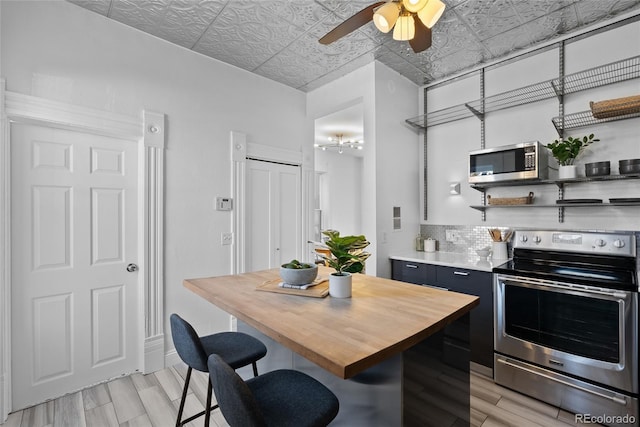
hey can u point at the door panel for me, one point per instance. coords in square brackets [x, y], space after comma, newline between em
[51, 211]
[273, 226]
[74, 230]
[288, 216]
[258, 227]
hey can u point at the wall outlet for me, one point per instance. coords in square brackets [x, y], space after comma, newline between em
[451, 235]
[226, 239]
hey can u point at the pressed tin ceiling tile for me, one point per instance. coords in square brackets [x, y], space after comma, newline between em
[399, 64]
[486, 18]
[302, 13]
[593, 11]
[279, 38]
[343, 50]
[548, 26]
[504, 43]
[345, 9]
[179, 21]
[530, 10]
[250, 34]
[290, 68]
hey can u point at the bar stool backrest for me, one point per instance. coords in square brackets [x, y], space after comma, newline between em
[188, 343]
[235, 400]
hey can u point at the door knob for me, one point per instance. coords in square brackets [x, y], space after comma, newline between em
[132, 267]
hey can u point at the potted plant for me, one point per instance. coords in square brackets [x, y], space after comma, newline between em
[565, 152]
[347, 256]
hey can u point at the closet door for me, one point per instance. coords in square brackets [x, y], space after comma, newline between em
[273, 229]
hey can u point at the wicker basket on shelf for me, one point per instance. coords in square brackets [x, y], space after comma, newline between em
[615, 107]
[527, 200]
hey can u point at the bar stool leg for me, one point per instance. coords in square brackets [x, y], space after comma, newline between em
[255, 369]
[207, 415]
[184, 397]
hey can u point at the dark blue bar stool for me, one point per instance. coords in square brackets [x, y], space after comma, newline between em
[281, 398]
[235, 348]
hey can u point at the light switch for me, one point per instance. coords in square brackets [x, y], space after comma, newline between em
[226, 239]
[224, 203]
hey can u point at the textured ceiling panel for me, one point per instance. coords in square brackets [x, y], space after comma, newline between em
[278, 39]
[181, 21]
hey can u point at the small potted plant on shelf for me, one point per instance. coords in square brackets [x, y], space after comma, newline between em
[347, 256]
[567, 150]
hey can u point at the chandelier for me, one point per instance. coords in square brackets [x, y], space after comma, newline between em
[401, 16]
[340, 144]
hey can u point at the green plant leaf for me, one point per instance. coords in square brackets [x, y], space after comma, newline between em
[347, 254]
[567, 150]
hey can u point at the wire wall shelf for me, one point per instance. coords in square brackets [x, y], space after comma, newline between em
[585, 118]
[588, 79]
[558, 182]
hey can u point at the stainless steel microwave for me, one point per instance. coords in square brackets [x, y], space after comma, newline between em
[527, 160]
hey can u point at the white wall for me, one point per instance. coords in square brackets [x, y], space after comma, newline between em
[60, 51]
[397, 152]
[449, 144]
[390, 162]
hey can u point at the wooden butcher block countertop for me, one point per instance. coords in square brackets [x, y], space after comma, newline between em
[344, 336]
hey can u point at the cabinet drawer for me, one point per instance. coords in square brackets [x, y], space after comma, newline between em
[461, 279]
[413, 272]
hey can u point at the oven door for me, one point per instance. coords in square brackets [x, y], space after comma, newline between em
[574, 329]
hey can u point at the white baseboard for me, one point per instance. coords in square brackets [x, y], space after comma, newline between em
[153, 354]
[171, 358]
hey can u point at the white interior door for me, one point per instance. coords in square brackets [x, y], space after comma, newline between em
[74, 232]
[273, 214]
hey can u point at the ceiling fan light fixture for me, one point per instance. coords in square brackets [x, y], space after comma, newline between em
[405, 28]
[386, 15]
[430, 14]
[414, 5]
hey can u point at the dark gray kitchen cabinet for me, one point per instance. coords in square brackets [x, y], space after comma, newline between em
[466, 281]
[478, 283]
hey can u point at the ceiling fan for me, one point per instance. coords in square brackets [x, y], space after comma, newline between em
[412, 20]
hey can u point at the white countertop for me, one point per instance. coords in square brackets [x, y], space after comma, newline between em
[450, 259]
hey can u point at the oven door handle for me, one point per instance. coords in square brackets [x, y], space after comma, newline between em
[619, 400]
[564, 287]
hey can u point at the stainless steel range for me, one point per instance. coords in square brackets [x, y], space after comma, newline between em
[566, 322]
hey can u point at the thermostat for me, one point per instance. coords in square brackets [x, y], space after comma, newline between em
[224, 203]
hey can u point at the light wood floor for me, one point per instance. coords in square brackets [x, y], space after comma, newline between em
[153, 399]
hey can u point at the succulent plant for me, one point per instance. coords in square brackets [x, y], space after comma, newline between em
[297, 265]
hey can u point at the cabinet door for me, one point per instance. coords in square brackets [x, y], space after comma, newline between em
[477, 283]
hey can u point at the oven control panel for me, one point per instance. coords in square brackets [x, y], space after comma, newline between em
[623, 244]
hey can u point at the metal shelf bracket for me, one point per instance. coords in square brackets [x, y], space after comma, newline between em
[475, 112]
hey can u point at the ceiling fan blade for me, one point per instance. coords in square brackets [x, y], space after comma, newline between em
[351, 24]
[422, 39]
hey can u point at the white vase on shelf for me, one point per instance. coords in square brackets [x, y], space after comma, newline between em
[567, 172]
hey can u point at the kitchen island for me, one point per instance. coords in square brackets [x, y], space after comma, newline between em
[385, 342]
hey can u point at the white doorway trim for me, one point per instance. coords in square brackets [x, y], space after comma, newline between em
[240, 150]
[149, 131]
